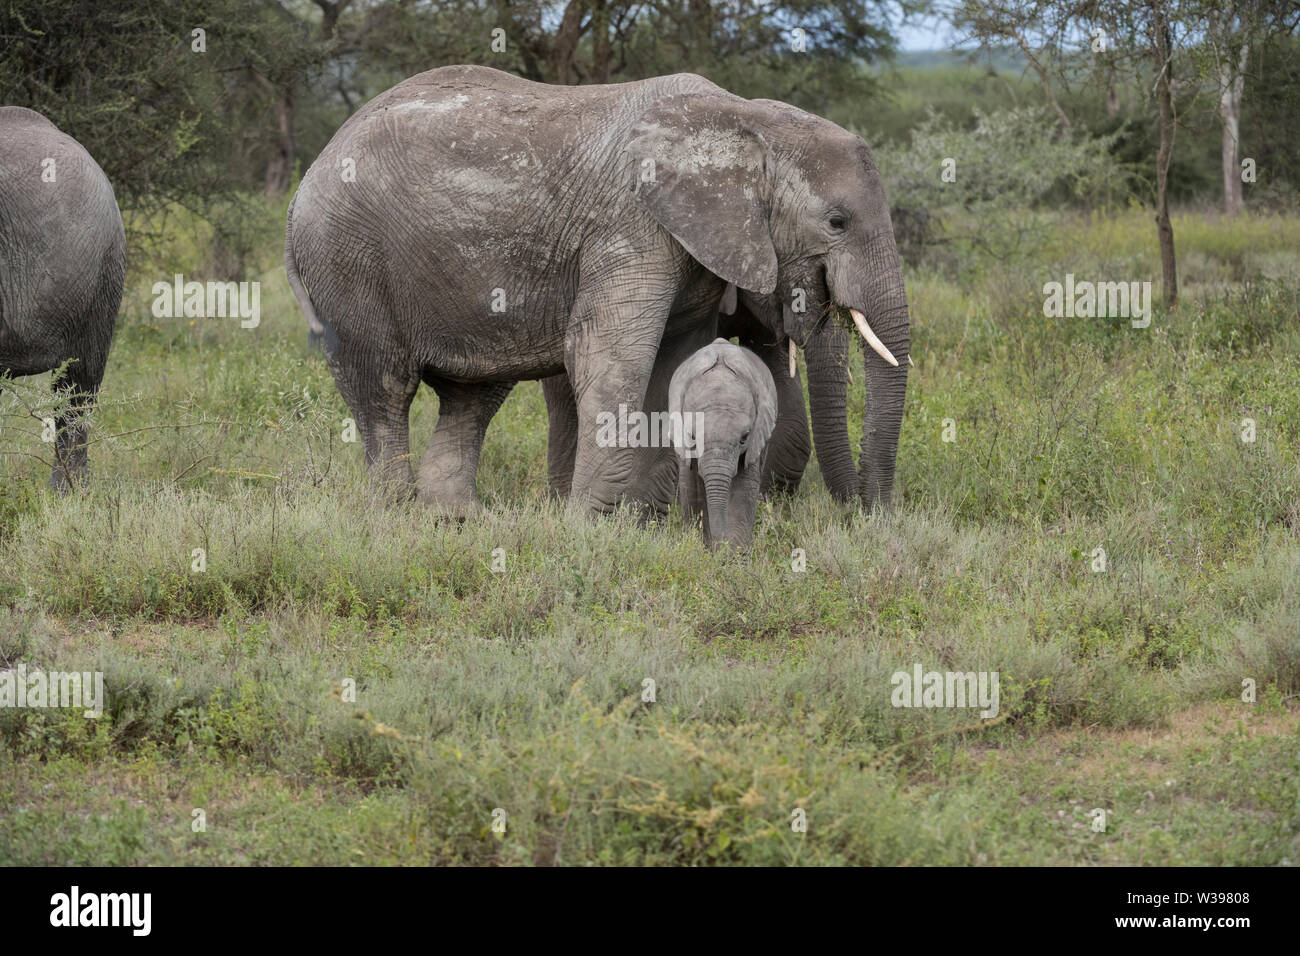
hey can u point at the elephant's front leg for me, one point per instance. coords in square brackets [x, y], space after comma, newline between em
[655, 484]
[789, 448]
[744, 503]
[449, 470]
[610, 359]
[562, 434]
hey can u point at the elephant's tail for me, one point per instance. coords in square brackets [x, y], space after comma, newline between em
[316, 329]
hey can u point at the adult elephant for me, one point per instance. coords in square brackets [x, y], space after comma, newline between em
[788, 451]
[756, 320]
[469, 229]
[62, 266]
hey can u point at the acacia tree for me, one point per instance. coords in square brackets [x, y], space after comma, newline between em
[1098, 39]
[1235, 28]
[804, 50]
[171, 99]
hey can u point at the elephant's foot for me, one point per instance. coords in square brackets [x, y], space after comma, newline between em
[458, 512]
[391, 482]
[449, 500]
[448, 487]
[69, 469]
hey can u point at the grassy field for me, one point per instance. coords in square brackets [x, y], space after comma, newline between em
[522, 691]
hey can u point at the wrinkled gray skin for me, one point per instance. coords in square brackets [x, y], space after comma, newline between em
[827, 357]
[62, 265]
[757, 321]
[611, 219]
[725, 398]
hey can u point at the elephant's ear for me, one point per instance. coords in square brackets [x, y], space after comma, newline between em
[760, 379]
[700, 167]
[695, 365]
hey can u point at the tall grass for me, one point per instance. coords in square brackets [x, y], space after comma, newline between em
[478, 689]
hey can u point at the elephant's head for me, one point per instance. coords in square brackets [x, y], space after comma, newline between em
[790, 208]
[724, 398]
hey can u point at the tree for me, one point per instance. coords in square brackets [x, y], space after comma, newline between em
[1234, 29]
[748, 46]
[1099, 39]
[158, 92]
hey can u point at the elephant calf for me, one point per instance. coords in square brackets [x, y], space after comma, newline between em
[62, 265]
[725, 399]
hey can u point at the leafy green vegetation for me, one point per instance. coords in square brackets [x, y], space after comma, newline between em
[228, 689]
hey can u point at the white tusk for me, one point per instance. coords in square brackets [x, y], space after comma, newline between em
[877, 346]
[909, 360]
[793, 365]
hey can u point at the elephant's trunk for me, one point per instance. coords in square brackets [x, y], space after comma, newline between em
[717, 470]
[877, 292]
[827, 354]
[886, 391]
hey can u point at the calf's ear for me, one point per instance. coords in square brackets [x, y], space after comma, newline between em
[758, 377]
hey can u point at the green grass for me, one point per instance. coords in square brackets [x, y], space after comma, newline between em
[522, 690]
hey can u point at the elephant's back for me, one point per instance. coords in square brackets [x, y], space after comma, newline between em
[48, 181]
[61, 232]
[446, 90]
[464, 148]
[460, 180]
[475, 116]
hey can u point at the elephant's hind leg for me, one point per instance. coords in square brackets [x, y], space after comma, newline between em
[449, 470]
[381, 403]
[80, 383]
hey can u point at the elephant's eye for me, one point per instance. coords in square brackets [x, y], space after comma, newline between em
[744, 439]
[837, 222]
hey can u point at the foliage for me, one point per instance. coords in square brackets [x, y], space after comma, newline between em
[999, 195]
[169, 124]
[523, 691]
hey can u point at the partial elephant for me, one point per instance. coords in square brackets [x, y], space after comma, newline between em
[757, 320]
[469, 229]
[827, 354]
[63, 253]
[722, 400]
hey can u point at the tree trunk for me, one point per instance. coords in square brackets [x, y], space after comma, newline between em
[701, 15]
[1231, 86]
[600, 45]
[279, 168]
[565, 47]
[1165, 156]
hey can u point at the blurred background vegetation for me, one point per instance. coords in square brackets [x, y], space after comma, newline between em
[209, 123]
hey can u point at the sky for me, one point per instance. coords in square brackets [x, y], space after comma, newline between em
[929, 33]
